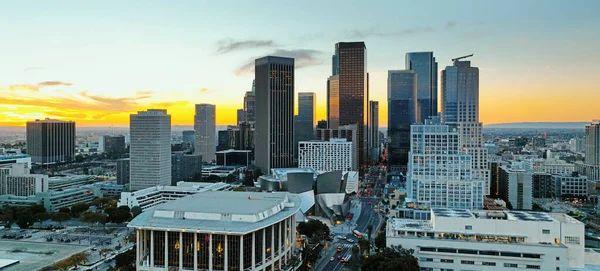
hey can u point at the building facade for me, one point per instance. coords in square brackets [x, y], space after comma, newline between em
[234, 158]
[150, 149]
[439, 173]
[189, 137]
[516, 188]
[156, 195]
[185, 166]
[250, 105]
[333, 102]
[123, 166]
[543, 186]
[402, 113]
[350, 62]
[335, 154]
[425, 67]
[571, 186]
[205, 127]
[304, 122]
[491, 240]
[274, 134]
[374, 148]
[250, 231]
[26, 185]
[111, 144]
[349, 132]
[51, 141]
[241, 116]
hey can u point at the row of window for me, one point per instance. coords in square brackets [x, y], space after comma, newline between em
[481, 252]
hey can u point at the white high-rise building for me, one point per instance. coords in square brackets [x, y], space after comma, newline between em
[439, 173]
[204, 125]
[335, 154]
[26, 184]
[150, 149]
[460, 109]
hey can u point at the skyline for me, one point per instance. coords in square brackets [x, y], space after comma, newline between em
[96, 63]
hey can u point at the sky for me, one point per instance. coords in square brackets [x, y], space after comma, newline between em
[96, 62]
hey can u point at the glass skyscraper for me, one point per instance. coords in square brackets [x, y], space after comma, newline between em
[304, 122]
[402, 112]
[425, 66]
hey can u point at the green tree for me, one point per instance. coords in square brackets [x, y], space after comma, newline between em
[93, 218]
[248, 179]
[42, 216]
[380, 240]
[391, 259]
[37, 208]
[119, 216]
[311, 227]
[109, 210]
[124, 208]
[24, 217]
[7, 214]
[79, 208]
[136, 210]
[125, 261]
[365, 245]
[79, 158]
[64, 210]
[60, 217]
[369, 230]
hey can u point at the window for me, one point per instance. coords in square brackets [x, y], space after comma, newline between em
[427, 249]
[468, 227]
[532, 266]
[558, 258]
[467, 262]
[488, 263]
[426, 269]
[447, 261]
[545, 231]
[572, 240]
[512, 265]
[426, 259]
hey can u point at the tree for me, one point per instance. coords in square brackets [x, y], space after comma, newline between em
[136, 210]
[391, 259]
[124, 208]
[248, 179]
[380, 240]
[369, 230]
[92, 218]
[24, 217]
[79, 158]
[60, 217]
[37, 208]
[119, 216]
[79, 208]
[364, 244]
[125, 261]
[311, 227]
[64, 210]
[42, 216]
[109, 210]
[105, 251]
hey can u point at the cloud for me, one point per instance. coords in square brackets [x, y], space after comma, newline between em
[205, 91]
[451, 24]
[375, 32]
[302, 58]
[65, 114]
[145, 93]
[229, 45]
[34, 68]
[35, 87]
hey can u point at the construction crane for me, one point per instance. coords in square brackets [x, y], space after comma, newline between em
[459, 58]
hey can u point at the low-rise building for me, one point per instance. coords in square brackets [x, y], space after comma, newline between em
[456, 239]
[26, 185]
[234, 157]
[516, 188]
[156, 195]
[571, 186]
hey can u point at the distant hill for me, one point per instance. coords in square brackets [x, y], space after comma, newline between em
[538, 125]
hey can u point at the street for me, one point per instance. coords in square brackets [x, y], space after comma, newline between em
[368, 215]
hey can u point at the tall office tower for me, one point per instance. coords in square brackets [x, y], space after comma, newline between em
[349, 132]
[333, 102]
[184, 167]
[425, 66]
[241, 116]
[249, 105]
[304, 122]
[402, 112]
[204, 125]
[592, 143]
[239, 137]
[111, 144]
[189, 137]
[274, 133]
[150, 149]
[438, 172]
[123, 166]
[460, 109]
[350, 65]
[374, 145]
[51, 141]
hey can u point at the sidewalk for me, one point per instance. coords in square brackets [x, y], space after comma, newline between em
[355, 208]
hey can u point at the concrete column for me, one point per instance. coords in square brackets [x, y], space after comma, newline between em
[210, 244]
[137, 249]
[285, 240]
[225, 259]
[253, 250]
[195, 251]
[272, 247]
[281, 237]
[151, 249]
[180, 250]
[166, 250]
[264, 246]
[241, 252]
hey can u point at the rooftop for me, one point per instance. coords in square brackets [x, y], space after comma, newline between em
[14, 156]
[278, 173]
[220, 211]
[233, 151]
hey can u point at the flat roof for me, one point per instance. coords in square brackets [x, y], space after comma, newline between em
[14, 156]
[220, 211]
[233, 151]
[37, 255]
[279, 172]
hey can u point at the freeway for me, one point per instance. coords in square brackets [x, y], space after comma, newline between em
[367, 216]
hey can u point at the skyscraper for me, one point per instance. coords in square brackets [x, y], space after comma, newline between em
[350, 65]
[439, 173]
[51, 141]
[249, 105]
[333, 102]
[241, 116]
[374, 131]
[150, 149]
[123, 172]
[425, 66]
[274, 133]
[402, 112]
[189, 137]
[592, 143]
[304, 122]
[460, 110]
[204, 125]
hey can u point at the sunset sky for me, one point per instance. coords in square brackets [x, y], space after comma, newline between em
[95, 62]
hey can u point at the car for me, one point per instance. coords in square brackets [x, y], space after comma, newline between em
[339, 257]
[350, 240]
[342, 237]
[370, 203]
[331, 259]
